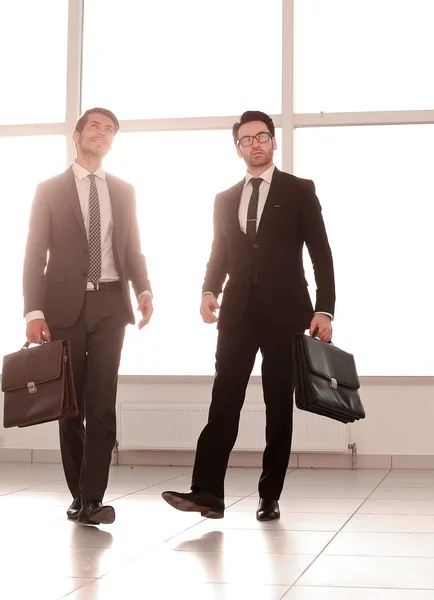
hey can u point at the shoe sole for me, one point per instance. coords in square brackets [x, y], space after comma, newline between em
[188, 506]
[268, 518]
[105, 516]
[73, 517]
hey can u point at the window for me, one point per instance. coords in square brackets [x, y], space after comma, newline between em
[25, 162]
[375, 186]
[202, 63]
[150, 59]
[363, 55]
[33, 46]
[176, 176]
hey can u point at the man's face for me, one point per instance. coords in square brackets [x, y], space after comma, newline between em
[257, 154]
[97, 135]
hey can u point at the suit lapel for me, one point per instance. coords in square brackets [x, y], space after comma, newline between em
[234, 205]
[72, 195]
[269, 214]
[118, 211]
[272, 205]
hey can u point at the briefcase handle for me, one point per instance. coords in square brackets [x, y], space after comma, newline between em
[315, 334]
[27, 345]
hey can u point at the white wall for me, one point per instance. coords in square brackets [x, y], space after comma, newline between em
[399, 417]
[400, 412]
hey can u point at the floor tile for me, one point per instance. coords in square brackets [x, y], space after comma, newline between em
[67, 562]
[405, 493]
[413, 478]
[288, 522]
[382, 544]
[375, 572]
[178, 484]
[302, 505]
[63, 499]
[391, 523]
[105, 590]
[52, 486]
[7, 465]
[38, 587]
[392, 506]
[4, 492]
[122, 537]
[317, 491]
[336, 477]
[156, 502]
[321, 593]
[212, 567]
[242, 485]
[343, 535]
[249, 541]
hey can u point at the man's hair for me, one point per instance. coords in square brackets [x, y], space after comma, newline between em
[248, 117]
[103, 111]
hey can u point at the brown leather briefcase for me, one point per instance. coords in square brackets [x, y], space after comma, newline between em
[38, 386]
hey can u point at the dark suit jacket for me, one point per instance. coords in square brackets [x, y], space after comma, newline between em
[57, 285]
[291, 217]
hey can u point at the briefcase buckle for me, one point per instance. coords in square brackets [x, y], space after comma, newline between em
[333, 383]
[31, 387]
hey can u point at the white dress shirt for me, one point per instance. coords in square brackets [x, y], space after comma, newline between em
[264, 189]
[82, 181]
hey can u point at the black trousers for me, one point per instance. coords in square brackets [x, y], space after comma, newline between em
[87, 441]
[236, 352]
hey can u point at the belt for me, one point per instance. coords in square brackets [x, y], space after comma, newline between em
[103, 286]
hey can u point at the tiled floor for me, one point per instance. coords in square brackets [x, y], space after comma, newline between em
[343, 535]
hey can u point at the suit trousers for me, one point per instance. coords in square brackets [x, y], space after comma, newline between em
[87, 441]
[235, 357]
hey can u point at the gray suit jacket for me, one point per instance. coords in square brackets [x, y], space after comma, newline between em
[56, 259]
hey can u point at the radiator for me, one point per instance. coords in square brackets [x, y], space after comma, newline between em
[177, 426]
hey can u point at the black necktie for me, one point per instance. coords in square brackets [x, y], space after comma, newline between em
[252, 211]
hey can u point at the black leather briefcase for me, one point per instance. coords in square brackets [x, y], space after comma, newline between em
[326, 380]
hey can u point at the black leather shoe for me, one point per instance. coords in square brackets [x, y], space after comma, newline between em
[268, 510]
[94, 513]
[207, 504]
[74, 509]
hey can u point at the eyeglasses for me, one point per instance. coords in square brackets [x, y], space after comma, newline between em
[262, 137]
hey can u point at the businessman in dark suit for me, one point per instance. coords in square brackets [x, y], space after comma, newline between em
[83, 249]
[260, 227]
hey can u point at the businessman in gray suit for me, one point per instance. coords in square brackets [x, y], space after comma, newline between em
[83, 249]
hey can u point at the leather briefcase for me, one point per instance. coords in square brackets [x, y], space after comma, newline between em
[326, 380]
[38, 385]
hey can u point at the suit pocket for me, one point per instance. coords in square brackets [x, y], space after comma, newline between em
[56, 277]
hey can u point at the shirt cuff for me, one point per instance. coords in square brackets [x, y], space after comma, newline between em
[321, 312]
[34, 314]
[147, 292]
[207, 294]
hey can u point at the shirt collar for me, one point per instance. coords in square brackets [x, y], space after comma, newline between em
[81, 173]
[266, 175]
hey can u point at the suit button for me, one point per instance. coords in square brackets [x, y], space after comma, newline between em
[255, 246]
[84, 273]
[85, 250]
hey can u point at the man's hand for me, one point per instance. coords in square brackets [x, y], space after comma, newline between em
[208, 306]
[37, 332]
[323, 325]
[146, 308]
